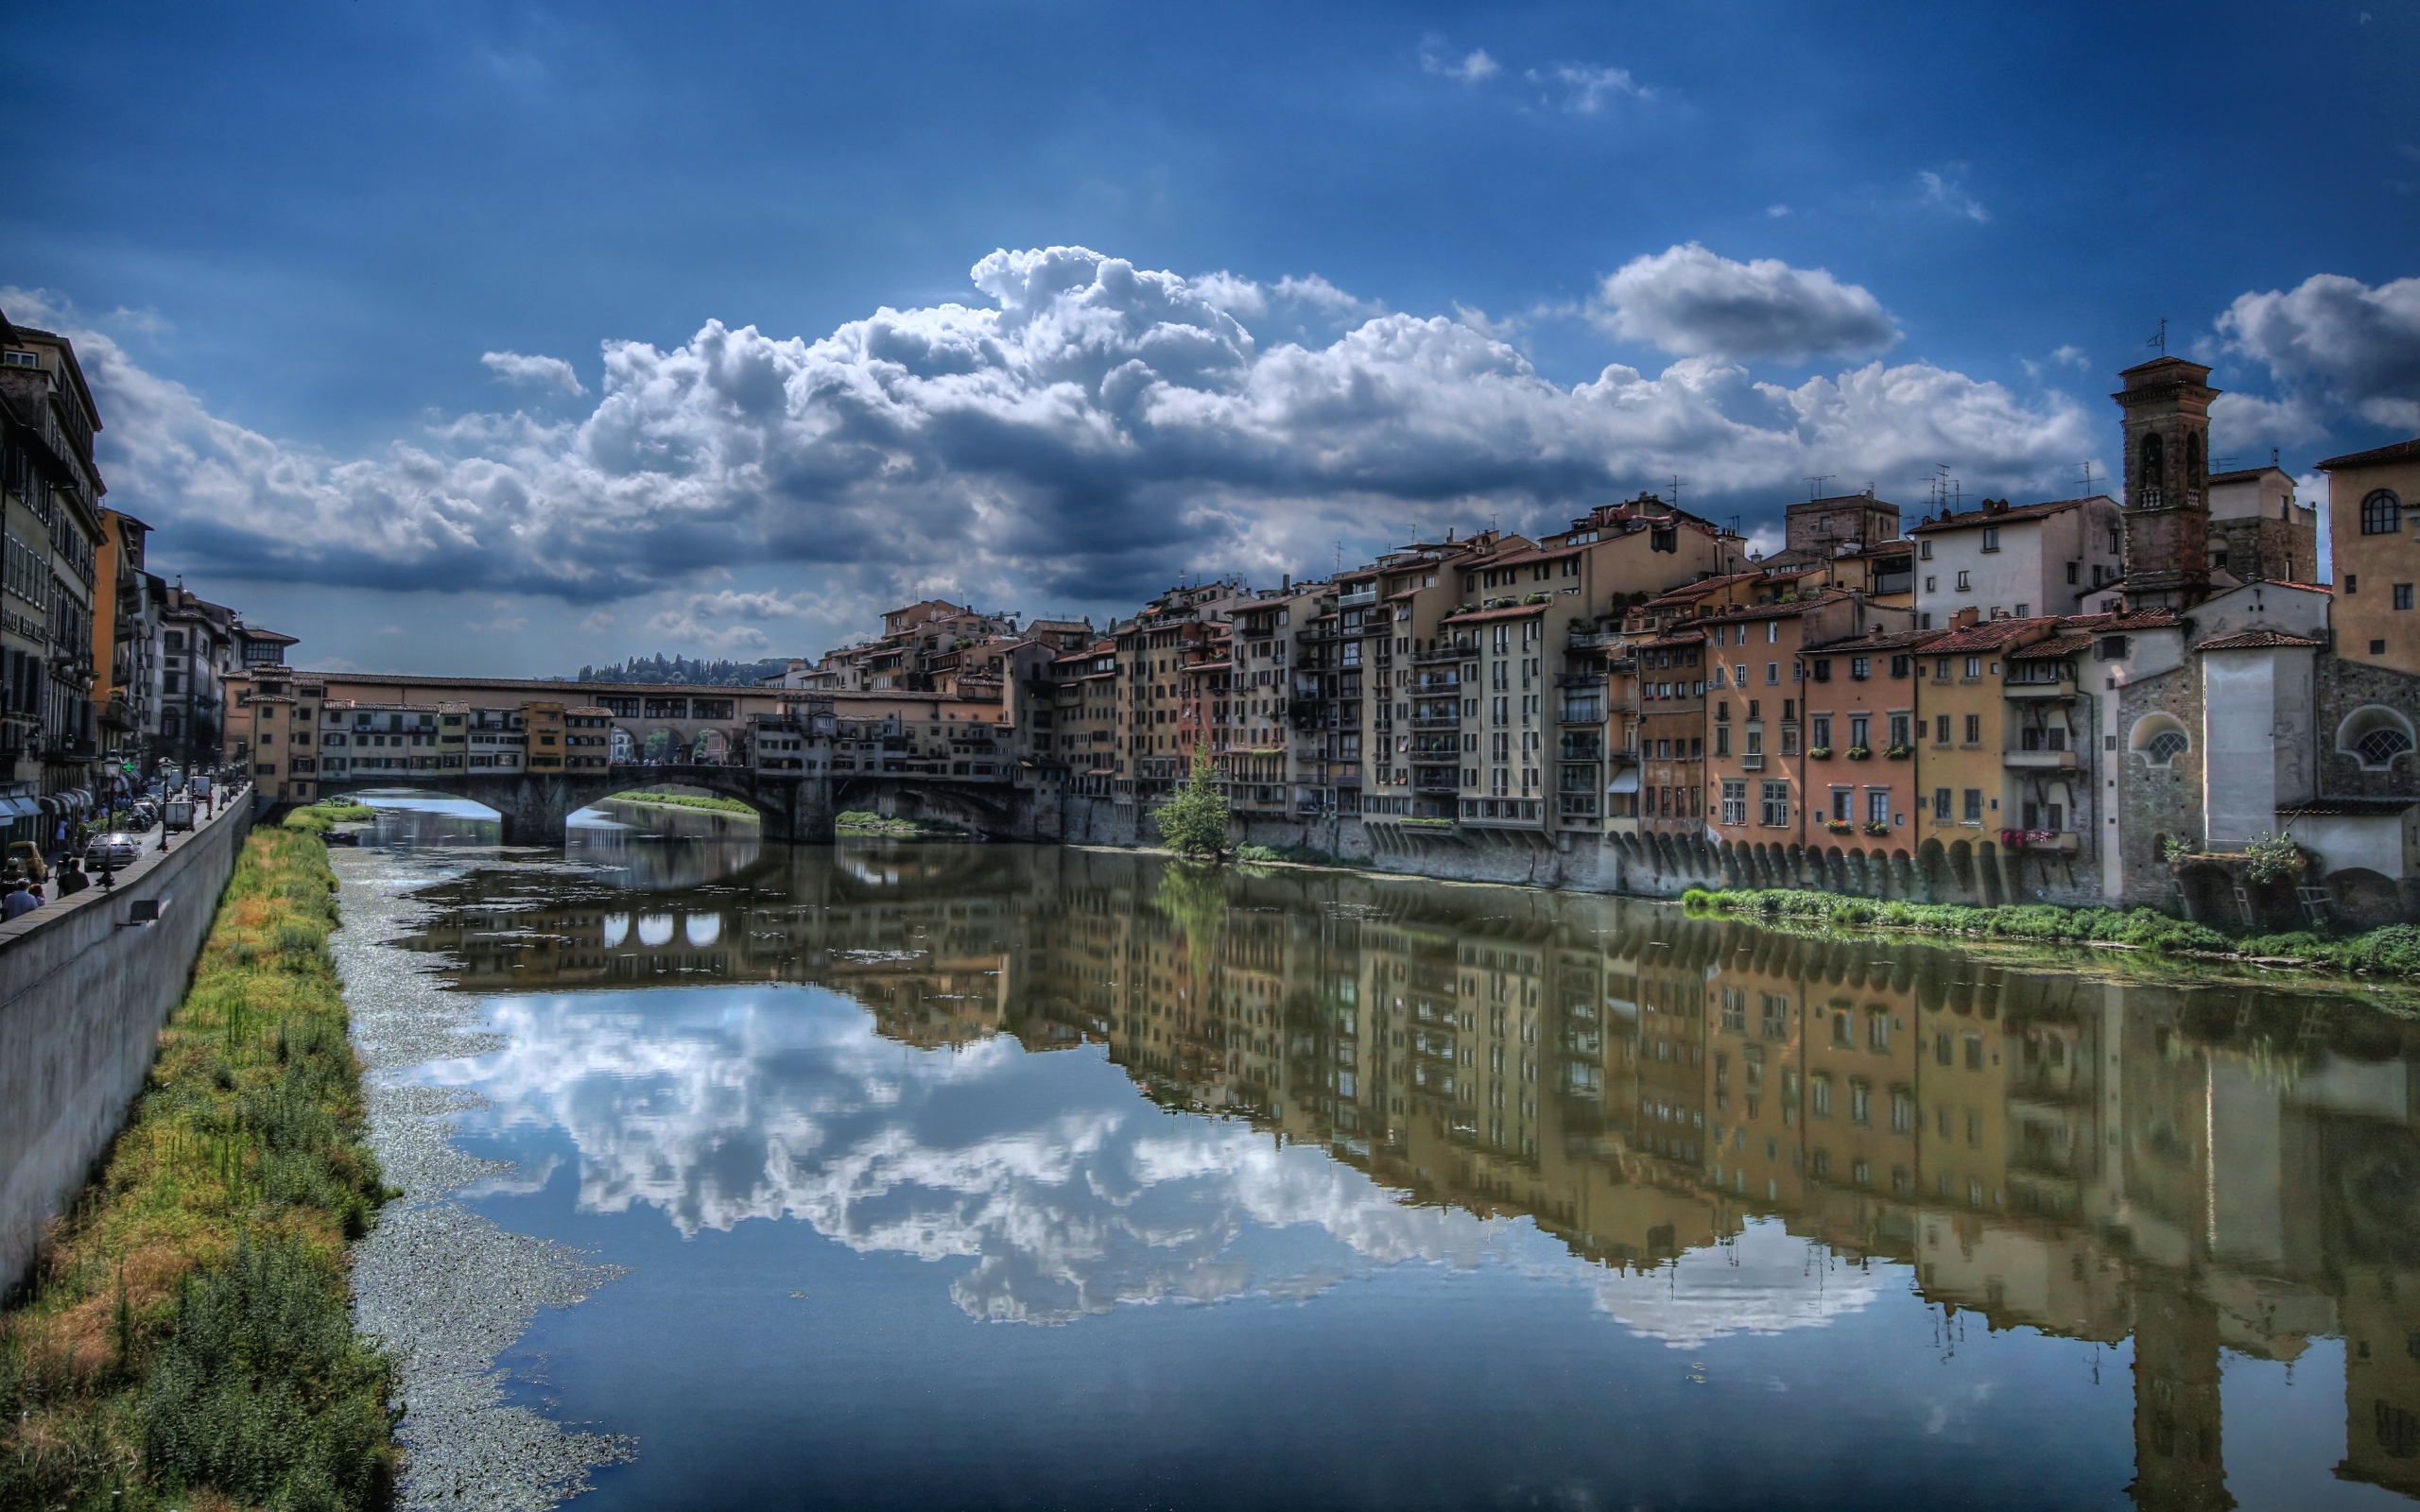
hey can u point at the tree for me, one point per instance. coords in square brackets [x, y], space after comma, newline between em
[1194, 822]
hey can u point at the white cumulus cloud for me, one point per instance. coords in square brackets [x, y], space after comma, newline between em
[547, 372]
[1474, 67]
[1951, 196]
[1692, 301]
[2333, 345]
[1076, 436]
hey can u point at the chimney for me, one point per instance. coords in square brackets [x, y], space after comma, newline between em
[1964, 618]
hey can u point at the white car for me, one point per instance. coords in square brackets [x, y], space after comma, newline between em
[115, 851]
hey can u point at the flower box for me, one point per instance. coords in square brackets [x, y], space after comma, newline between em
[1899, 753]
[1861, 753]
[1821, 754]
[1839, 827]
[1877, 829]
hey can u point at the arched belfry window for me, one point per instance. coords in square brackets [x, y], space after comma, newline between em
[2381, 514]
[2193, 461]
[2154, 470]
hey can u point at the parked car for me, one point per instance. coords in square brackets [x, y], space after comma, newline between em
[115, 851]
[26, 857]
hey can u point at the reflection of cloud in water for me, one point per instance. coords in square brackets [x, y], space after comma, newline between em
[701, 929]
[1764, 1281]
[656, 929]
[1069, 1193]
[618, 928]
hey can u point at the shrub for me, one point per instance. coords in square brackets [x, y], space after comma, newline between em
[1194, 822]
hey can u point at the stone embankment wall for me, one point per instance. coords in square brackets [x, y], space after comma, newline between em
[1643, 865]
[82, 996]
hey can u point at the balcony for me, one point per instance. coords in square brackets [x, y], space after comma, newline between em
[1753, 763]
[2042, 842]
[2040, 691]
[1595, 640]
[1435, 721]
[2039, 760]
[1358, 598]
[1578, 680]
[1590, 747]
[1586, 711]
[1437, 655]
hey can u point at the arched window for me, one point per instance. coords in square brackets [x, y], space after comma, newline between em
[2381, 514]
[2160, 738]
[2193, 461]
[2375, 736]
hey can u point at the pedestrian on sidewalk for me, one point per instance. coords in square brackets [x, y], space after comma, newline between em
[18, 902]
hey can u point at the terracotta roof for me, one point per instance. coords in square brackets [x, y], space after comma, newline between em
[2064, 643]
[2400, 452]
[2256, 641]
[2351, 808]
[1901, 641]
[1690, 593]
[1990, 635]
[1676, 638]
[1513, 612]
[1973, 517]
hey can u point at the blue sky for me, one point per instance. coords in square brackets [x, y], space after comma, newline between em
[1430, 263]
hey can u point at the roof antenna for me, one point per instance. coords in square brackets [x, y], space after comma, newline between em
[2088, 477]
[1814, 481]
[1676, 490]
[2159, 342]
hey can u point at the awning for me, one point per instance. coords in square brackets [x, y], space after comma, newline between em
[17, 807]
[1625, 780]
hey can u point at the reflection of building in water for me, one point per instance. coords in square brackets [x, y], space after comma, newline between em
[2201, 1169]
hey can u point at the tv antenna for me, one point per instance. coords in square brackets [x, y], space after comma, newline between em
[1676, 490]
[1814, 484]
[2159, 342]
[2088, 477]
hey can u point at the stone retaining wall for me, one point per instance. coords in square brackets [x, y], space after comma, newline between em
[82, 996]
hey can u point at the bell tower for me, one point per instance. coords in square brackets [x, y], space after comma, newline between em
[2166, 407]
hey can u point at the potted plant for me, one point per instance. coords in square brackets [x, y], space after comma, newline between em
[1821, 754]
[1899, 753]
[1840, 826]
[1861, 753]
[1876, 827]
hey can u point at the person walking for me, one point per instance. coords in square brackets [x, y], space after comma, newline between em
[19, 901]
[71, 878]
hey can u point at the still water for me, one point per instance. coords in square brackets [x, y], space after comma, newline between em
[960, 1175]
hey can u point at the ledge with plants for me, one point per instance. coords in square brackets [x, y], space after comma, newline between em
[186, 1341]
[2392, 951]
[1861, 753]
[1818, 753]
[1898, 753]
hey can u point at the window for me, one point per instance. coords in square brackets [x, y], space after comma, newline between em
[1878, 805]
[1774, 810]
[1924, 549]
[1973, 730]
[1861, 1109]
[1860, 733]
[1899, 731]
[1941, 729]
[1772, 674]
[1990, 538]
[1823, 731]
[1735, 801]
[1902, 666]
[1932, 584]
[1974, 667]
[2375, 736]
[2072, 572]
[1844, 804]
[2161, 738]
[1974, 805]
[1823, 668]
[1965, 582]
[1861, 668]
[2381, 514]
[2024, 612]
[1819, 1096]
[2403, 596]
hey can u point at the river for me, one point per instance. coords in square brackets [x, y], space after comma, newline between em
[934, 1175]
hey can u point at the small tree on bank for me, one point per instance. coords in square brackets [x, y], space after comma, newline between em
[1194, 822]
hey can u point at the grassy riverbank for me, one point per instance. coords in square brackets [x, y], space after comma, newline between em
[862, 821]
[319, 817]
[687, 800]
[2393, 951]
[187, 1342]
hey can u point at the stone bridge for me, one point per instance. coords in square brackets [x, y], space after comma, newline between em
[796, 810]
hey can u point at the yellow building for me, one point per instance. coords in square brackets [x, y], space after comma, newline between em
[2373, 516]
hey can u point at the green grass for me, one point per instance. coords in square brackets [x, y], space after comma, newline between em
[865, 821]
[1301, 856]
[686, 800]
[2393, 951]
[318, 818]
[186, 1341]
